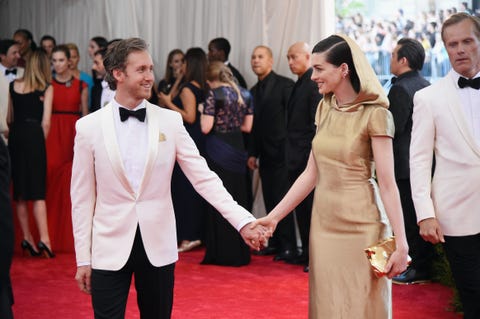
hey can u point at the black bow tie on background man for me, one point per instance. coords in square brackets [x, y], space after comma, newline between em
[473, 83]
[8, 71]
[126, 113]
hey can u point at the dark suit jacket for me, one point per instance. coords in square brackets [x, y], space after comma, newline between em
[238, 76]
[301, 110]
[96, 98]
[401, 106]
[269, 131]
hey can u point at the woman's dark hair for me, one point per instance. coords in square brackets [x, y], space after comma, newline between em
[337, 51]
[196, 63]
[62, 48]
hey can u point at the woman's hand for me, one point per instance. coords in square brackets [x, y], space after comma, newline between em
[268, 223]
[398, 262]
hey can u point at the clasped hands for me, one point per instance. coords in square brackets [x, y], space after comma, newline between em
[255, 235]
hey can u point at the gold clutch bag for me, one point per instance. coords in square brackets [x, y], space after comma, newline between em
[379, 254]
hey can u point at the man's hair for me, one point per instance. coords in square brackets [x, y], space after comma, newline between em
[5, 45]
[222, 44]
[459, 17]
[413, 51]
[116, 57]
[102, 52]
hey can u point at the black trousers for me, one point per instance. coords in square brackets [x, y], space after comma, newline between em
[303, 212]
[154, 286]
[274, 187]
[463, 254]
[421, 251]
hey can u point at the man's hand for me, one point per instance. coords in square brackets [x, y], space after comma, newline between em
[252, 163]
[255, 237]
[82, 277]
[430, 231]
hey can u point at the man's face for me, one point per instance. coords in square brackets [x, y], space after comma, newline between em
[394, 63]
[463, 48]
[298, 61]
[137, 78]
[261, 62]
[10, 59]
[98, 65]
[23, 43]
[215, 54]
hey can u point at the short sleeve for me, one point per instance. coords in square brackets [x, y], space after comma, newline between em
[209, 107]
[381, 123]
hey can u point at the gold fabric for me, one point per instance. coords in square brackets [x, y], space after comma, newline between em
[345, 216]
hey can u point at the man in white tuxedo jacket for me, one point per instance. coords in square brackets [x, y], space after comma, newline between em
[446, 122]
[123, 218]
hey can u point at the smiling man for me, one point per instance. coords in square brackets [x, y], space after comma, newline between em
[122, 211]
[446, 123]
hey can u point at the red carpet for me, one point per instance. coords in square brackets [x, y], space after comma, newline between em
[45, 289]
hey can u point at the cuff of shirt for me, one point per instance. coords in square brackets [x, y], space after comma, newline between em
[83, 263]
[245, 221]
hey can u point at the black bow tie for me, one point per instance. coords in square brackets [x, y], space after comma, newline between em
[126, 113]
[13, 71]
[473, 83]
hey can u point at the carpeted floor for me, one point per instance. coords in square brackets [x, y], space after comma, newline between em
[45, 289]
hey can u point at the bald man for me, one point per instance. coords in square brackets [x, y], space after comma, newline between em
[301, 109]
[267, 144]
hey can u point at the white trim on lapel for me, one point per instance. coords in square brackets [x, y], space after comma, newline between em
[455, 106]
[153, 131]
[112, 148]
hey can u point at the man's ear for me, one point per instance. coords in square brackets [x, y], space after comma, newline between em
[118, 75]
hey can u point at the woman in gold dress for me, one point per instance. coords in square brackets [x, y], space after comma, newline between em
[354, 135]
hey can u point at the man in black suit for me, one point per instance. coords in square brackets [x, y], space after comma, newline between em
[407, 61]
[6, 233]
[301, 109]
[218, 50]
[267, 143]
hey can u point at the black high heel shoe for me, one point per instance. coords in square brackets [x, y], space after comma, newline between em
[45, 250]
[28, 248]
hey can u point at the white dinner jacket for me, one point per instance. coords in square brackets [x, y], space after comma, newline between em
[439, 126]
[4, 94]
[105, 208]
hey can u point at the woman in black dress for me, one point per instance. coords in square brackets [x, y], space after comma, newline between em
[173, 73]
[227, 114]
[189, 206]
[30, 107]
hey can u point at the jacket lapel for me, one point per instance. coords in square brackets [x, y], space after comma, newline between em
[112, 148]
[457, 111]
[153, 139]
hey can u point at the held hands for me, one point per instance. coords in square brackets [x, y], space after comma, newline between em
[431, 231]
[82, 277]
[255, 236]
[267, 222]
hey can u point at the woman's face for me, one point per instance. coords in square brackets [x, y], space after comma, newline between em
[92, 48]
[74, 59]
[177, 61]
[60, 62]
[327, 76]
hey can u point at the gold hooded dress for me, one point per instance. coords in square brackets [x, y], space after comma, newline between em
[346, 217]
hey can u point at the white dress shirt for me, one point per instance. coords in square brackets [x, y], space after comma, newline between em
[132, 137]
[107, 94]
[469, 98]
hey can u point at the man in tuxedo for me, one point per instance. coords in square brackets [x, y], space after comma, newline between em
[9, 55]
[7, 236]
[218, 50]
[122, 211]
[406, 63]
[301, 109]
[101, 93]
[445, 122]
[267, 144]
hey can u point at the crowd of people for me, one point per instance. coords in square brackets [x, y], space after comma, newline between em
[173, 162]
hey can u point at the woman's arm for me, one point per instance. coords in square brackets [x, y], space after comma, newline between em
[304, 184]
[383, 156]
[206, 123]
[84, 101]
[47, 110]
[189, 102]
[247, 123]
